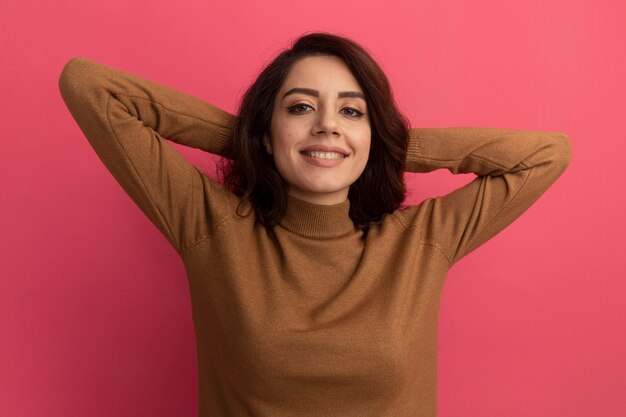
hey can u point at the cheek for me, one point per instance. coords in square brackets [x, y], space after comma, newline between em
[283, 154]
[282, 150]
[283, 137]
[365, 147]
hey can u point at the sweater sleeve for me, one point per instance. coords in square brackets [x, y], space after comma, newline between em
[513, 167]
[125, 119]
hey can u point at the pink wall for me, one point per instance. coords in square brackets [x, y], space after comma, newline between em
[95, 316]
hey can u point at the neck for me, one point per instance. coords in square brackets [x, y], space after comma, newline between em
[318, 221]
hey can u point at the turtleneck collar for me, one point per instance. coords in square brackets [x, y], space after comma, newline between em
[317, 221]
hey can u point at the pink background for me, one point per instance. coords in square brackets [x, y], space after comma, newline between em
[95, 315]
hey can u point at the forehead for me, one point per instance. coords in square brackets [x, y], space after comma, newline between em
[321, 72]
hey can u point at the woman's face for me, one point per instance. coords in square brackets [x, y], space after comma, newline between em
[320, 136]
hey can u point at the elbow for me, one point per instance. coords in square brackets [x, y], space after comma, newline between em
[566, 148]
[67, 78]
[562, 150]
[76, 82]
[71, 75]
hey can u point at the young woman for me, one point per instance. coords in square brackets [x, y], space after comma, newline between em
[314, 292]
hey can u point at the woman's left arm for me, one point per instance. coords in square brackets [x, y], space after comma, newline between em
[514, 168]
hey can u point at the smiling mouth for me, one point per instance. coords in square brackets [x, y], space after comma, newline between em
[323, 155]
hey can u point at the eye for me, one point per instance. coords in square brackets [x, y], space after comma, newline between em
[296, 107]
[354, 112]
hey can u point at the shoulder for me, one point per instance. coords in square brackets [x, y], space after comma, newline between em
[418, 219]
[405, 232]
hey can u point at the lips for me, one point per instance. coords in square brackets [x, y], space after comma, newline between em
[322, 148]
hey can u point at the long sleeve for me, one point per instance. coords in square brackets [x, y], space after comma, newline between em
[514, 168]
[125, 118]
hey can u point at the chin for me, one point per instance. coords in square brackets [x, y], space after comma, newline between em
[325, 188]
[321, 189]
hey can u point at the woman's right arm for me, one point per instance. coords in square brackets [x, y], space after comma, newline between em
[125, 118]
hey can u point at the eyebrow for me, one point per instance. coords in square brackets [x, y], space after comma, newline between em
[315, 93]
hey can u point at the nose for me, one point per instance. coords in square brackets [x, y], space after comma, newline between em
[326, 121]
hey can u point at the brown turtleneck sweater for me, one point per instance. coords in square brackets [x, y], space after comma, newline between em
[321, 323]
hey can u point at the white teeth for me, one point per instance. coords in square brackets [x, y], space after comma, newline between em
[324, 155]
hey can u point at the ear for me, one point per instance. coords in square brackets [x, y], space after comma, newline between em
[267, 143]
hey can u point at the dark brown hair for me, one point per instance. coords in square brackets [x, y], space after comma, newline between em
[250, 173]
